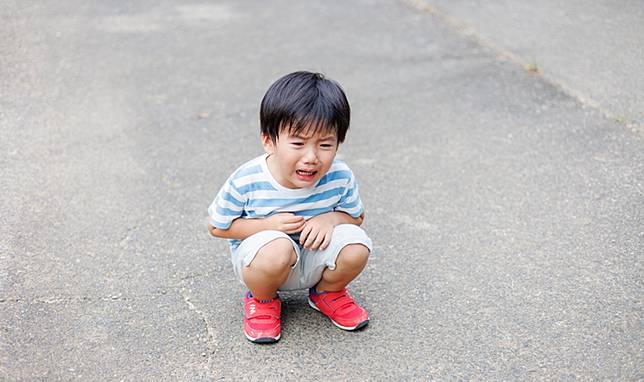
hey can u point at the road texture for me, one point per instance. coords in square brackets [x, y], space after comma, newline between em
[592, 50]
[506, 213]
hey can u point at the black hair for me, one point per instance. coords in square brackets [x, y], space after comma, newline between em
[305, 102]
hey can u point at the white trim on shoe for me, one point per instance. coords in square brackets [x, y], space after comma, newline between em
[263, 340]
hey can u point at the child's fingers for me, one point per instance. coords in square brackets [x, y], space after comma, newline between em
[326, 242]
[293, 227]
[311, 239]
[293, 218]
[304, 234]
[284, 216]
[289, 217]
[318, 241]
[295, 223]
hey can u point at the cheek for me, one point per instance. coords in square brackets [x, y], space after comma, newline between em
[292, 159]
[328, 160]
[330, 155]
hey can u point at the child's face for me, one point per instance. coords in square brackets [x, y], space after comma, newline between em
[299, 161]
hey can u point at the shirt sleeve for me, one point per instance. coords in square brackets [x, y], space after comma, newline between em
[350, 201]
[227, 206]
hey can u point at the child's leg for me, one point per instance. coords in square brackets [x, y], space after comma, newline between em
[270, 268]
[348, 265]
[264, 262]
[332, 269]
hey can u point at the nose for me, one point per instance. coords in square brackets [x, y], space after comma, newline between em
[310, 156]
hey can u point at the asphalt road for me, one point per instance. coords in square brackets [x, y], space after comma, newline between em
[506, 214]
[593, 50]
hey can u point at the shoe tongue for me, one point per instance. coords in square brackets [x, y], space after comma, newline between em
[315, 291]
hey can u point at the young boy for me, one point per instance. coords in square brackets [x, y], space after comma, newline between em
[292, 215]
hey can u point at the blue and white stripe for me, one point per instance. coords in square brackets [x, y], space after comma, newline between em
[251, 192]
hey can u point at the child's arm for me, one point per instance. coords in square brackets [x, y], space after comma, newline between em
[240, 229]
[339, 217]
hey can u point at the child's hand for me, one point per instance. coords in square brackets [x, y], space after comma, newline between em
[317, 232]
[286, 222]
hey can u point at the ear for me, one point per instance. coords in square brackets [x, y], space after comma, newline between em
[268, 144]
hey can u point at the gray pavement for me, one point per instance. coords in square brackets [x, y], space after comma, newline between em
[592, 48]
[506, 214]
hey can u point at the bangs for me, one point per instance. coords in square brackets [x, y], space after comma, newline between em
[309, 126]
[304, 103]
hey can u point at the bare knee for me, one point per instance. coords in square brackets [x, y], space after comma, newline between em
[275, 257]
[353, 256]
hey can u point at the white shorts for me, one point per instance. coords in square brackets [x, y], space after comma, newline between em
[310, 264]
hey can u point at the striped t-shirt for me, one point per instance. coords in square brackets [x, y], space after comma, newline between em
[251, 192]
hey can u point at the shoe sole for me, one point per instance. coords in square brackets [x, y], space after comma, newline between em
[263, 340]
[347, 328]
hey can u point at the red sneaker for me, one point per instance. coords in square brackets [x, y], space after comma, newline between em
[340, 308]
[262, 320]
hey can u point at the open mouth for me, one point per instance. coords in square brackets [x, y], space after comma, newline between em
[306, 175]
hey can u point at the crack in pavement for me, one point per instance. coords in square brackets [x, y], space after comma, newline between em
[506, 55]
[185, 293]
